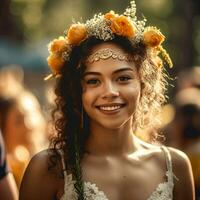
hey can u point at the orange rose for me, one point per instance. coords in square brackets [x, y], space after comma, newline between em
[55, 62]
[110, 15]
[57, 45]
[121, 25]
[153, 37]
[76, 34]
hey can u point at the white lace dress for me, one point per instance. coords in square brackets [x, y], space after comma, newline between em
[164, 191]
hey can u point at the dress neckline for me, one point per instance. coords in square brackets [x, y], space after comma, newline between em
[163, 191]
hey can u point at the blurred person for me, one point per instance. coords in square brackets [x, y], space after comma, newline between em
[8, 188]
[16, 136]
[185, 123]
[22, 118]
[188, 116]
[12, 85]
[109, 82]
[183, 132]
[189, 78]
[11, 80]
[21, 135]
[34, 120]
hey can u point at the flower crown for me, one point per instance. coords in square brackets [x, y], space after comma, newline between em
[105, 27]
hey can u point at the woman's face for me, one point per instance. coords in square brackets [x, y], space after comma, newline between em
[111, 90]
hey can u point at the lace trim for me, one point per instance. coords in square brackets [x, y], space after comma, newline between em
[92, 192]
[69, 189]
[164, 191]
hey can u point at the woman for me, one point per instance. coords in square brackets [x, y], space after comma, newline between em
[18, 131]
[15, 134]
[110, 82]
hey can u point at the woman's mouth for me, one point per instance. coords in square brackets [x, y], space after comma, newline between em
[109, 109]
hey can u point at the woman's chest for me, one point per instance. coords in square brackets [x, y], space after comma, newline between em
[125, 180]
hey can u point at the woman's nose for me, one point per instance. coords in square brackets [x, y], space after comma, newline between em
[110, 91]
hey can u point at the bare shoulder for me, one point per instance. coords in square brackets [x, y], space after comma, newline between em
[184, 185]
[179, 157]
[181, 164]
[181, 167]
[40, 181]
[40, 163]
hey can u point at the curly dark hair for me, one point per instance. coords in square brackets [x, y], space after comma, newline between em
[72, 130]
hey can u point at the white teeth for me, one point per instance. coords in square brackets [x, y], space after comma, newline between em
[109, 107]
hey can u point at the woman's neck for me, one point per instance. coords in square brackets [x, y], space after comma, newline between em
[103, 141]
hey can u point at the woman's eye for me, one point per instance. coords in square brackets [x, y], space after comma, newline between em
[124, 78]
[92, 81]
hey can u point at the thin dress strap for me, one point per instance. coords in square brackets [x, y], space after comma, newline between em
[69, 190]
[168, 159]
[63, 162]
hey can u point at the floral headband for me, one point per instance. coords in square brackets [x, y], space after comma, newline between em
[105, 27]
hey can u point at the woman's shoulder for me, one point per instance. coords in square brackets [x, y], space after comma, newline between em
[180, 167]
[40, 159]
[183, 171]
[42, 178]
[176, 156]
[178, 159]
[47, 161]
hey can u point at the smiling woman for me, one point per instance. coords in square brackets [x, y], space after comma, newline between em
[110, 82]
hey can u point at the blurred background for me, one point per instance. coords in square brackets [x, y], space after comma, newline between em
[27, 26]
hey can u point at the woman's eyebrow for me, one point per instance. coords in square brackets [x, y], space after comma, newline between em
[91, 73]
[115, 72]
[122, 70]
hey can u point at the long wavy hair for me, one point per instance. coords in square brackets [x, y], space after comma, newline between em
[72, 123]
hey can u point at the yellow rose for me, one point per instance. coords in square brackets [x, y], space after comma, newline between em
[55, 62]
[121, 25]
[58, 45]
[76, 34]
[152, 37]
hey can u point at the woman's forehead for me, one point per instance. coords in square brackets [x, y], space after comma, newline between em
[109, 66]
[108, 45]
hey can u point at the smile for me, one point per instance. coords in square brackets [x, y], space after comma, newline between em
[110, 108]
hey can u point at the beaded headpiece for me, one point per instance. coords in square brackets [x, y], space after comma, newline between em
[105, 27]
[108, 53]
